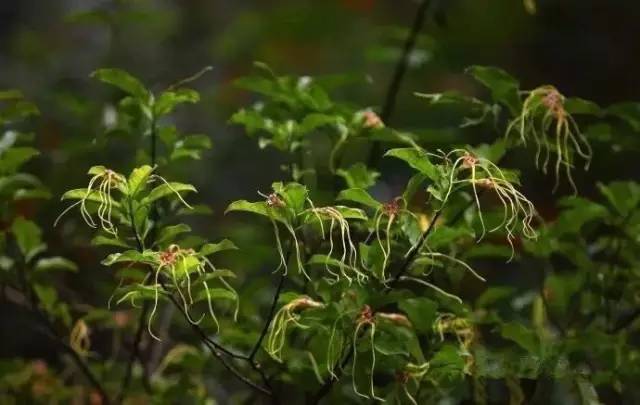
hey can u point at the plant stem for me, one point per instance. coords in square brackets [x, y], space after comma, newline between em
[406, 264]
[217, 351]
[403, 63]
[135, 349]
[135, 353]
[272, 311]
[411, 257]
[31, 300]
[388, 108]
[84, 368]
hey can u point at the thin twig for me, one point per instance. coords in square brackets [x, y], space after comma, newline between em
[625, 321]
[406, 264]
[211, 344]
[388, 108]
[135, 353]
[335, 375]
[135, 349]
[272, 311]
[82, 365]
[155, 350]
[412, 255]
[404, 267]
[403, 63]
[50, 332]
[217, 352]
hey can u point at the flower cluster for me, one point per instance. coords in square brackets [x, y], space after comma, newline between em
[99, 190]
[545, 119]
[482, 174]
[180, 270]
[287, 315]
[348, 261]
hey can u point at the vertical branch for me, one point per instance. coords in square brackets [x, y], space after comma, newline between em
[389, 105]
[272, 311]
[403, 63]
[409, 259]
[135, 349]
[388, 109]
[326, 387]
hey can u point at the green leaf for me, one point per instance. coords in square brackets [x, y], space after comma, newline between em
[492, 295]
[102, 240]
[359, 196]
[194, 141]
[346, 212]
[488, 250]
[190, 146]
[11, 94]
[324, 260]
[211, 248]
[22, 186]
[447, 362]
[13, 158]
[168, 100]
[216, 294]
[135, 292]
[165, 190]
[624, 196]
[260, 208]
[576, 212]
[422, 313]
[575, 105]
[504, 88]
[525, 337]
[47, 296]
[561, 290]
[418, 159]
[187, 265]
[28, 236]
[96, 170]
[351, 213]
[198, 209]
[294, 195]
[252, 120]
[16, 181]
[185, 153]
[55, 264]
[124, 81]
[127, 256]
[168, 134]
[359, 176]
[628, 112]
[131, 274]
[93, 196]
[413, 186]
[218, 273]
[23, 194]
[317, 120]
[18, 110]
[138, 179]
[444, 235]
[493, 152]
[168, 233]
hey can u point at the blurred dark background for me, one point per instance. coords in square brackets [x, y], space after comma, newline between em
[586, 48]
